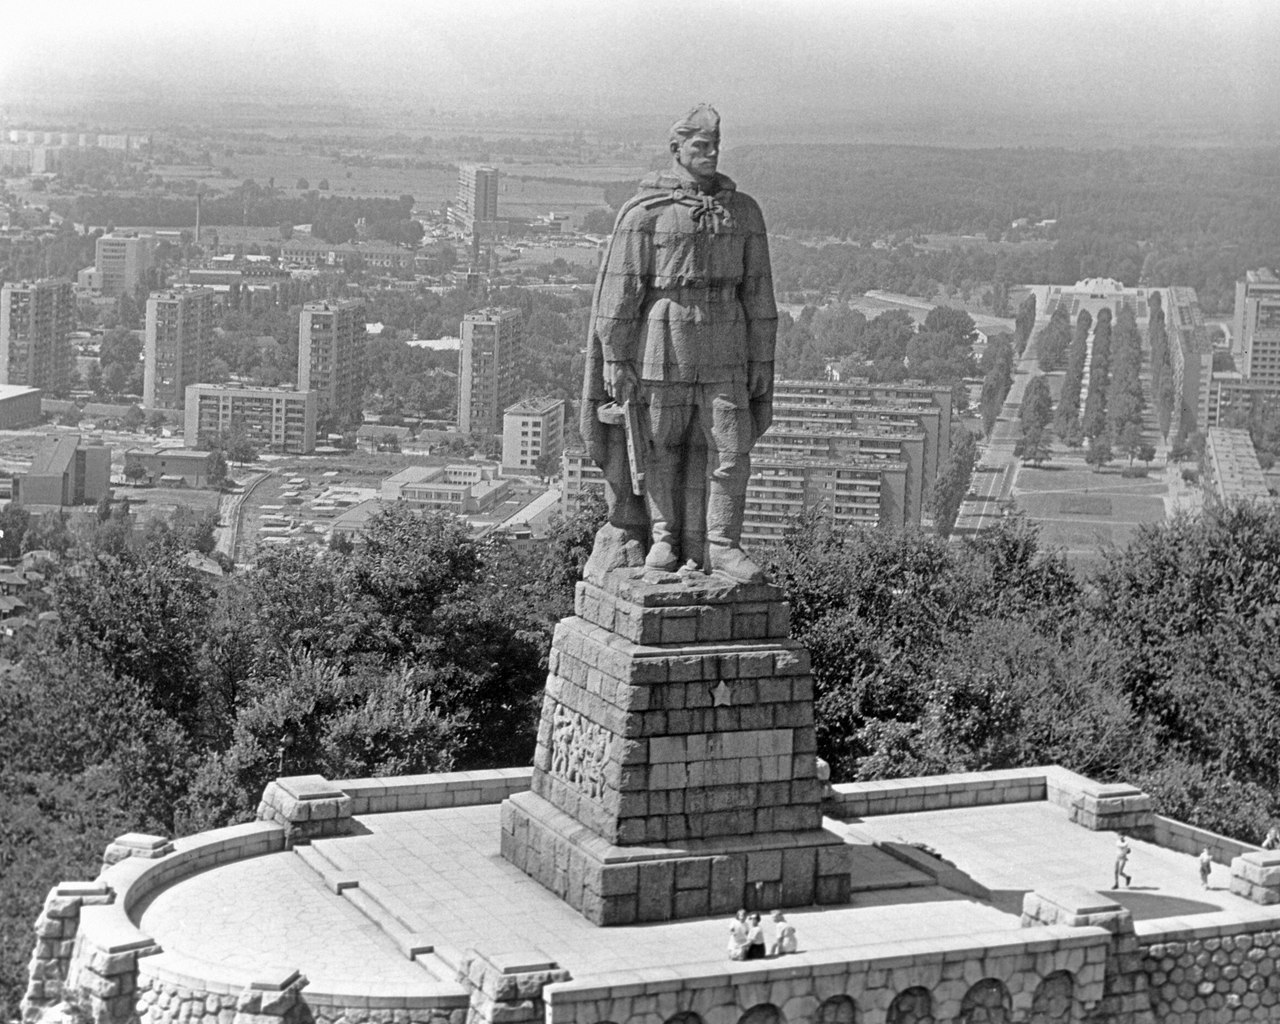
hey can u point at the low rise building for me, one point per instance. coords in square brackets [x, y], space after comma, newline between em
[65, 472]
[465, 489]
[377, 437]
[19, 406]
[531, 429]
[278, 419]
[182, 467]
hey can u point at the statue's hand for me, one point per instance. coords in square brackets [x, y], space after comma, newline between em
[621, 382]
[759, 379]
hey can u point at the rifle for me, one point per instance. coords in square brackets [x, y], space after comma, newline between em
[635, 446]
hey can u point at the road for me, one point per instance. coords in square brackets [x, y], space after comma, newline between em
[997, 468]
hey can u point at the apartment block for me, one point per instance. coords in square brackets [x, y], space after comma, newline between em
[530, 429]
[331, 357]
[277, 419]
[122, 262]
[1256, 327]
[176, 348]
[36, 320]
[477, 199]
[488, 351]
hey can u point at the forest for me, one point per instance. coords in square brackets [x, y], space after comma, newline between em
[161, 701]
[1150, 215]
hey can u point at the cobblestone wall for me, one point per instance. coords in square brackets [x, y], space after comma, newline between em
[1230, 978]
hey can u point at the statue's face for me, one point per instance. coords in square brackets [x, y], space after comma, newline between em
[699, 155]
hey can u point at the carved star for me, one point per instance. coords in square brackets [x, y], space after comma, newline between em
[721, 695]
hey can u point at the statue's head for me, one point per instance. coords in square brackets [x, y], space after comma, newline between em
[695, 142]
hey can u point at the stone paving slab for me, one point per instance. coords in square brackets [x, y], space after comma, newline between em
[268, 914]
[442, 873]
[1013, 848]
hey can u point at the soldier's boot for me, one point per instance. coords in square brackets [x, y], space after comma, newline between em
[660, 491]
[725, 510]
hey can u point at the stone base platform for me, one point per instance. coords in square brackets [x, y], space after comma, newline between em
[617, 885]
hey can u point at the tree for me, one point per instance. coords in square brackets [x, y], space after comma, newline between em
[953, 482]
[302, 185]
[1037, 405]
[323, 185]
[134, 471]
[1099, 453]
[156, 421]
[1034, 446]
[144, 616]
[14, 520]
[240, 449]
[133, 418]
[1025, 321]
[1146, 452]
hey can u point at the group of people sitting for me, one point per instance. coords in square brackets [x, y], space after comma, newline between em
[747, 941]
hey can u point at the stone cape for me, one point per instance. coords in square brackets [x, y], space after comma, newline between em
[675, 773]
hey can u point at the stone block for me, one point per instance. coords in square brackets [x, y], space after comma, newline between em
[728, 880]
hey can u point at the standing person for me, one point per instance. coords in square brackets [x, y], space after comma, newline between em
[784, 940]
[738, 936]
[1122, 859]
[755, 939]
[683, 328]
[1206, 865]
[1272, 840]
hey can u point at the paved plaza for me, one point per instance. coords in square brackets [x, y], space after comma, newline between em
[441, 873]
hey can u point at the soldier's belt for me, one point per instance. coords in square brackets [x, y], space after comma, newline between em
[696, 293]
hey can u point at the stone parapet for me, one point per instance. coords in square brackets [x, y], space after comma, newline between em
[506, 987]
[306, 806]
[136, 844]
[56, 929]
[862, 983]
[1256, 876]
[425, 792]
[1115, 807]
[1074, 906]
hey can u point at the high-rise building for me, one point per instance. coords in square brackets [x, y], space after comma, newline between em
[122, 262]
[531, 429]
[279, 419]
[477, 195]
[330, 357]
[1256, 327]
[36, 319]
[487, 368]
[177, 345]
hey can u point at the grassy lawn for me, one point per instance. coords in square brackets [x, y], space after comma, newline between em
[1081, 512]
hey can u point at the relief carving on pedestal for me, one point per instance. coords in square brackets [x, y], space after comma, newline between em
[579, 751]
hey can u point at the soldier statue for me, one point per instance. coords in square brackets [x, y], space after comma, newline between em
[679, 375]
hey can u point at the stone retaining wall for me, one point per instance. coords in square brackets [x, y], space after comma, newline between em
[909, 983]
[1073, 964]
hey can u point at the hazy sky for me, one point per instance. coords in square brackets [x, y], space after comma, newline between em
[960, 62]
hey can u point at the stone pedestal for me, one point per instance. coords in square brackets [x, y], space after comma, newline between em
[675, 772]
